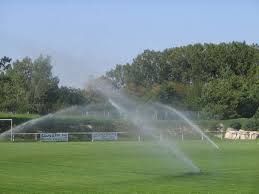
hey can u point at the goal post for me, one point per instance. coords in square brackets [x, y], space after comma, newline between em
[11, 128]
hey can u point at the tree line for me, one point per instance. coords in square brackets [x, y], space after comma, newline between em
[220, 79]
[28, 86]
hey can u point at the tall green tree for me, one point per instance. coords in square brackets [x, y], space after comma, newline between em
[218, 78]
[5, 64]
[44, 86]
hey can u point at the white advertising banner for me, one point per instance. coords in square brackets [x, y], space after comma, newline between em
[54, 136]
[104, 136]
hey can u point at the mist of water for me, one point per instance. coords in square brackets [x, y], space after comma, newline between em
[127, 107]
[118, 95]
[121, 101]
[190, 123]
[24, 126]
[148, 129]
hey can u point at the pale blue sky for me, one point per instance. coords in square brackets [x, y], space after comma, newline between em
[89, 37]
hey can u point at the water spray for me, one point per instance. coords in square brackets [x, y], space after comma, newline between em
[190, 123]
[148, 130]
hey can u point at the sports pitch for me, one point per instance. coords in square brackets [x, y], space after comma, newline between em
[127, 167]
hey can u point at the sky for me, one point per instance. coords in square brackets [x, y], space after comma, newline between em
[88, 38]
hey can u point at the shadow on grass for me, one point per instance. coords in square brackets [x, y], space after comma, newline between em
[155, 177]
[185, 175]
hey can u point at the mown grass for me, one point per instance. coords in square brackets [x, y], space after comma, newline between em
[203, 124]
[127, 167]
[21, 116]
[68, 120]
[17, 119]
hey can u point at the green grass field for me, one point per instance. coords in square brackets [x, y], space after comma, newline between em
[127, 167]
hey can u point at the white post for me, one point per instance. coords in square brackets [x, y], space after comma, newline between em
[139, 138]
[11, 129]
[182, 135]
[12, 138]
[201, 137]
[160, 137]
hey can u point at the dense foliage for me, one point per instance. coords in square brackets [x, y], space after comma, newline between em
[29, 86]
[220, 79]
[251, 125]
[236, 125]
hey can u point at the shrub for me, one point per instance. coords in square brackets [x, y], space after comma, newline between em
[256, 115]
[235, 125]
[251, 125]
